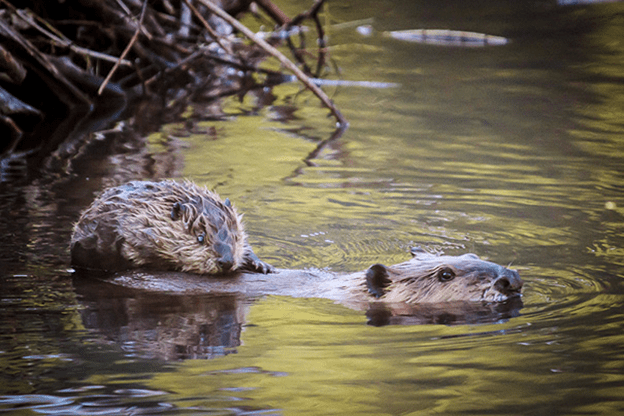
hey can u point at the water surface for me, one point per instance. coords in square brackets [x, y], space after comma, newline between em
[512, 152]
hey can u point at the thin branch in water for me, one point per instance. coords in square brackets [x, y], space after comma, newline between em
[311, 13]
[125, 52]
[280, 57]
[322, 47]
[301, 17]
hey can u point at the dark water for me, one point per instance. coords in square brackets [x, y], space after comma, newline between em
[515, 153]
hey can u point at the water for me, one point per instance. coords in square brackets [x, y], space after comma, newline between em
[514, 153]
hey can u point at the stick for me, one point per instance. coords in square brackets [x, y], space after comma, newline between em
[273, 11]
[60, 40]
[125, 52]
[209, 28]
[280, 57]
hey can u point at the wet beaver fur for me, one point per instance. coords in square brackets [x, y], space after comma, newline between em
[424, 279]
[163, 225]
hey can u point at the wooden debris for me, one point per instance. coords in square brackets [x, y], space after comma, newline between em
[61, 57]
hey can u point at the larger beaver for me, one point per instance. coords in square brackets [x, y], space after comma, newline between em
[163, 225]
[424, 279]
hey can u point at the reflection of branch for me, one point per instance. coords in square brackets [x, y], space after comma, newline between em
[280, 57]
[125, 52]
[314, 153]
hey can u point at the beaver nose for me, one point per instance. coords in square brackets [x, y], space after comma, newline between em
[225, 260]
[225, 265]
[509, 282]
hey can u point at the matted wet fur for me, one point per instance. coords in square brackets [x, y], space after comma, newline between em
[164, 225]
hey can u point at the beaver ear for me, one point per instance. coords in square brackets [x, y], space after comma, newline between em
[377, 280]
[177, 211]
[420, 253]
[227, 203]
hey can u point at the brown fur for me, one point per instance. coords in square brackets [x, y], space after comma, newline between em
[163, 225]
[427, 278]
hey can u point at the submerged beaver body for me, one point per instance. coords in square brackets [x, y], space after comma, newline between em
[425, 279]
[163, 225]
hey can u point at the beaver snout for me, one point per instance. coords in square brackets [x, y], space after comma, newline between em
[509, 283]
[225, 262]
[225, 265]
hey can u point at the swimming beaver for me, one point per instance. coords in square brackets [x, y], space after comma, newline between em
[426, 278]
[163, 225]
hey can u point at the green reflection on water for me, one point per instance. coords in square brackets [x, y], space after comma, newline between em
[312, 357]
[514, 153]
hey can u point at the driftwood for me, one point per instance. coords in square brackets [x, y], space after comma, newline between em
[62, 57]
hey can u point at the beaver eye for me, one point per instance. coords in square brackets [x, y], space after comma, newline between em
[201, 238]
[446, 275]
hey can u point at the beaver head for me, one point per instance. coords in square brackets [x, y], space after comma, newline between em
[215, 240]
[427, 278]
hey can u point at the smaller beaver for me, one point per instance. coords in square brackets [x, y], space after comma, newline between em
[163, 225]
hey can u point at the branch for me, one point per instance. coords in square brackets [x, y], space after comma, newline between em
[280, 57]
[59, 39]
[209, 28]
[125, 52]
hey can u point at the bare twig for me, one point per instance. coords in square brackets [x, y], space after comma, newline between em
[296, 51]
[124, 7]
[12, 67]
[209, 28]
[125, 52]
[60, 40]
[185, 20]
[311, 13]
[301, 17]
[273, 11]
[66, 90]
[280, 57]
[322, 47]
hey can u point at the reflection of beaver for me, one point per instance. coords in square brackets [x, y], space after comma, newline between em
[425, 278]
[163, 225]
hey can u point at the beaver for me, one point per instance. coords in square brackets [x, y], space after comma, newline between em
[424, 279]
[164, 225]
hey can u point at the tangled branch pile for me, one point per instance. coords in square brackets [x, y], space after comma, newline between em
[61, 56]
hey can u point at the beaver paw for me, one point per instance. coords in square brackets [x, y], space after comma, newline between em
[262, 267]
[255, 265]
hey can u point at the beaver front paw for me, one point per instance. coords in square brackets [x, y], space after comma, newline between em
[262, 267]
[254, 265]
